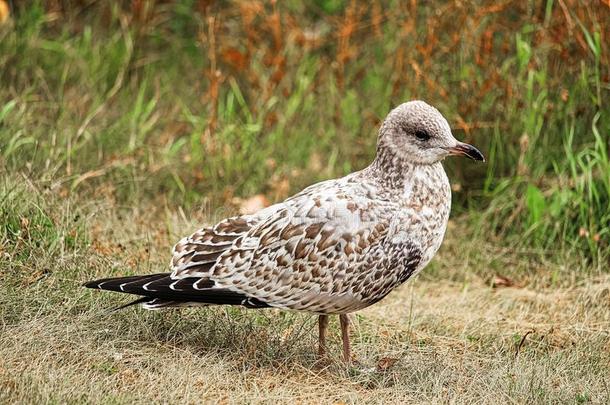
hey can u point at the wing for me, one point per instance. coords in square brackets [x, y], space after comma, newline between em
[194, 255]
[321, 251]
[336, 247]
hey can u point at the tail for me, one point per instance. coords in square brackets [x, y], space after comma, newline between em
[160, 291]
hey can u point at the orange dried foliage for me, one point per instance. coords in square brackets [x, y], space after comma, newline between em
[235, 58]
[274, 31]
[262, 45]
[5, 12]
[214, 75]
[376, 19]
[204, 5]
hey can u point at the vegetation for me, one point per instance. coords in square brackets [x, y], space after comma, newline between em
[125, 125]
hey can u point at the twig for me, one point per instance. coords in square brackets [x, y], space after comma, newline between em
[522, 342]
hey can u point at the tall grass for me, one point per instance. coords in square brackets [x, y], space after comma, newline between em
[211, 100]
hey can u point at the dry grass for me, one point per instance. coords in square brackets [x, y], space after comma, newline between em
[214, 100]
[440, 338]
[107, 106]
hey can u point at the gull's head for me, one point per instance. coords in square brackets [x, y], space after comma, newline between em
[418, 133]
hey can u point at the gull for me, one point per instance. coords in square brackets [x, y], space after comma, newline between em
[334, 248]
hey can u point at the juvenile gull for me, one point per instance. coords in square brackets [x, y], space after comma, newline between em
[334, 248]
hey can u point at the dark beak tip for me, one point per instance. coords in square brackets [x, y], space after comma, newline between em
[479, 157]
[469, 151]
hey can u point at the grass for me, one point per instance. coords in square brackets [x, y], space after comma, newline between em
[447, 336]
[125, 126]
[159, 99]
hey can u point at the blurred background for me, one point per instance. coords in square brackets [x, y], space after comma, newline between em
[240, 104]
[125, 125]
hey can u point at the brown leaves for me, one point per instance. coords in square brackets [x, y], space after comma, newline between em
[584, 233]
[386, 363]
[235, 58]
[5, 12]
[500, 281]
[251, 205]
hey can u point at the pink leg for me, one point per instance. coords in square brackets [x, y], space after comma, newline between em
[322, 326]
[344, 319]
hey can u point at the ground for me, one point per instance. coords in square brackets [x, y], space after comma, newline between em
[466, 330]
[126, 125]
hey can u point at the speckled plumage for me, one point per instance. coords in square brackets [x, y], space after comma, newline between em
[337, 246]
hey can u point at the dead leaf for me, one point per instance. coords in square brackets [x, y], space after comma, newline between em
[5, 11]
[235, 58]
[385, 363]
[253, 204]
[502, 281]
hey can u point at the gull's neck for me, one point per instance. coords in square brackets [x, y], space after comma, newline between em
[390, 169]
[394, 171]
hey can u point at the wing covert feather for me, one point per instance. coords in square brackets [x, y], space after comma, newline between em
[318, 252]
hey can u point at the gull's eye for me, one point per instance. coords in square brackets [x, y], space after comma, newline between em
[422, 135]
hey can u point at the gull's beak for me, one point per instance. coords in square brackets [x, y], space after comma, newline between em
[464, 149]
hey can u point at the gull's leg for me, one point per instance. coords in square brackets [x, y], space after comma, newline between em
[344, 319]
[322, 325]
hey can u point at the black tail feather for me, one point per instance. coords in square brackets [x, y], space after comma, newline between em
[161, 286]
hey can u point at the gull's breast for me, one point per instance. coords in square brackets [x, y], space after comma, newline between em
[425, 203]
